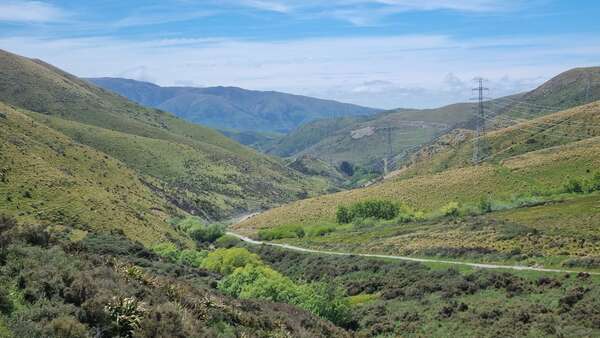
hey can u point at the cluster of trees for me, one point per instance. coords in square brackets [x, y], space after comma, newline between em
[247, 277]
[198, 230]
[377, 209]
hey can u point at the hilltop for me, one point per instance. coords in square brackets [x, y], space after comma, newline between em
[232, 107]
[195, 168]
[410, 129]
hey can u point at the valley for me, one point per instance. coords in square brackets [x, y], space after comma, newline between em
[119, 220]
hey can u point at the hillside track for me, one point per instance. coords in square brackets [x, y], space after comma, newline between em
[409, 259]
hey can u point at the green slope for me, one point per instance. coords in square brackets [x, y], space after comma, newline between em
[47, 177]
[412, 128]
[216, 178]
[525, 179]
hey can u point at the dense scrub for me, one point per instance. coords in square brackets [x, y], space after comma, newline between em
[107, 286]
[410, 299]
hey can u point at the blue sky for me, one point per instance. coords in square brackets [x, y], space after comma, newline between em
[381, 53]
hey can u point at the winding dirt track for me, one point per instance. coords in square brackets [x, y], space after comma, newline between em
[410, 259]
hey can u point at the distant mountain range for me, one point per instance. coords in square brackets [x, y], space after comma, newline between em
[230, 108]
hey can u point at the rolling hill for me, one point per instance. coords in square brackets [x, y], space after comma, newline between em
[230, 107]
[194, 167]
[534, 180]
[412, 128]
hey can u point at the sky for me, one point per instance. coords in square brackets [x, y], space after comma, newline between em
[378, 53]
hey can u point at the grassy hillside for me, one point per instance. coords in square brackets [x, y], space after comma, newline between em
[526, 187]
[412, 128]
[47, 177]
[552, 130]
[230, 107]
[217, 178]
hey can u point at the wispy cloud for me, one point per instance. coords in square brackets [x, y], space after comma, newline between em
[384, 71]
[368, 12]
[158, 17]
[30, 12]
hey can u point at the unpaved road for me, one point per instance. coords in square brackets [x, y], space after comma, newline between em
[410, 259]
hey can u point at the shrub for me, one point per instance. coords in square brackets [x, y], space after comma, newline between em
[196, 229]
[225, 261]
[227, 241]
[126, 314]
[285, 231]
[485, 205]
[378, 209]
[451, 209]
[67, 327]
[191, 257]
[363, 223]
[319, 230]
[573, 186]
[167, 250]
[262, 282]
[593, 184]
[343, 215]
[6, 304]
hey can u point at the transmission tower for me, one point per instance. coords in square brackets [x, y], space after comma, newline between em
[479, 148]
[388, 159]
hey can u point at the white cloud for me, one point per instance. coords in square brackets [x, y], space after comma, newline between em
[369, 12]
[30, 12]
[388, 72]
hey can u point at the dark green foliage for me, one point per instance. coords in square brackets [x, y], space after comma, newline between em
[6, 304]
[347, 168]
[573, 186]
[199, 231]
[286, 231]
[343, 215]
[227, 241]
[378, 209]
[485, 205]
[67, 327]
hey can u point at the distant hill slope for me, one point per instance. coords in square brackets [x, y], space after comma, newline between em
[231, 107]
[194, 167]
[409, 129]
[570, 147]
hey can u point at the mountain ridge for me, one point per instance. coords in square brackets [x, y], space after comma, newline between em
[227, 107]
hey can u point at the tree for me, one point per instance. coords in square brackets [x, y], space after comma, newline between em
[225, 261]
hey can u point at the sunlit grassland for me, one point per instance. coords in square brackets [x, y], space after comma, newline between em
[48, 178]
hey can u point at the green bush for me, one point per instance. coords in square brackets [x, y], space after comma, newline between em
[6, 304]
[573, 186]
[227, 241]
[320, 230]
[378, 209]
[451, 209]
[343, 215]
[187, 257]
[225, 261]
[167, 250]
[262, 282]
[593, 184]
[191, 257]
[285, 231]
[485, 205]
[196, 229]
[67, 327]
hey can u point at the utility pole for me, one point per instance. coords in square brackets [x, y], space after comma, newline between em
[479, 148]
